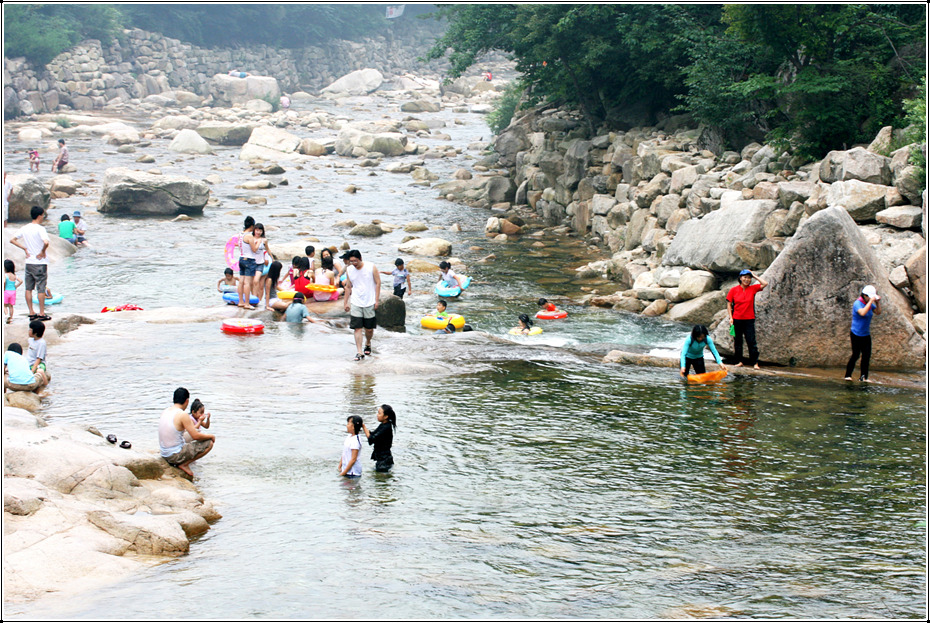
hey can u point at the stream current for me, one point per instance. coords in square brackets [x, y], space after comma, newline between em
[530, 480]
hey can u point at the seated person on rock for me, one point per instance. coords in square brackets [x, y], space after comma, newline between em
[17, 376]
[297, 311]
[174, 422]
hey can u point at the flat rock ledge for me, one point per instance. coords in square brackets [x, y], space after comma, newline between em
[80, 513]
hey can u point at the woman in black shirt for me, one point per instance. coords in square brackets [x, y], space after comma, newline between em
[382, 438]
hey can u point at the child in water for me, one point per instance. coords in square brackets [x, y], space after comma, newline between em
[400, 274]
[546, 305]
[34, 160]
[10, 283]
[525, 324]
[228, 282]
[441, 309]
[692, 352]
[349, 465]
[447, 277]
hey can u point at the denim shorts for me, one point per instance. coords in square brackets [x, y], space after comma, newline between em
[247, 267]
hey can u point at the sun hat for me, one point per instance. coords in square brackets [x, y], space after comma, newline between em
[745, 272]
[869, 291]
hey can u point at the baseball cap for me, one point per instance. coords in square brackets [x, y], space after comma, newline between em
[869, 291]
[745, 272]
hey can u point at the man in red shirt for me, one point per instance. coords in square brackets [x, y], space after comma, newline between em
[741, 308]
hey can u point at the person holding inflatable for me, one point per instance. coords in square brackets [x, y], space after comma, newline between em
[692, 352]
[325, 275]
[448, 277]
[525, 324]
[262, 261]
[248, 247]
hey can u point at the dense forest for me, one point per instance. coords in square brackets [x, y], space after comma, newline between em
[813, 77]
[40, 32]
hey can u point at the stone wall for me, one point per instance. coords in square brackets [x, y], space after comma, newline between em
[93, 74]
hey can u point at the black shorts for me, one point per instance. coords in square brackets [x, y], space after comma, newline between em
[400, 291]
[357, 322]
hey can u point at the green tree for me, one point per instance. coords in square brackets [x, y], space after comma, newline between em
[40, 32]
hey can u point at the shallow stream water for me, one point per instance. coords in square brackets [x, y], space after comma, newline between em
[531, 480]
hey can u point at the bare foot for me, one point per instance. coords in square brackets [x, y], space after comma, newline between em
[757, 367]
[739, 365]
[187, 470]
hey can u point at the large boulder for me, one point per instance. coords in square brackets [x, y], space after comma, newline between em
[710, 243]
[27, 191]
[359, 82]
[436, 247]
[357, 142]
[226, 133]
[694, 283]
[175, 122]
[231, 91]
[916, 268]
[861, 199]
[391, 313]
[856, 164]
[420, 106]
[134, 192]
[510, 142]
[480, 191]
[902, 217]
[274, 138]
[190, 142]
[700, 310]
[803, 317]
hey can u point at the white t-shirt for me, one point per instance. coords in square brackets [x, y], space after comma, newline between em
[82, 226]
[363, 285]
[352, 442]
[34, 237]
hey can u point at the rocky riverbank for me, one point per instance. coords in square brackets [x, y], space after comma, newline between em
[681, 221]
[79, 512]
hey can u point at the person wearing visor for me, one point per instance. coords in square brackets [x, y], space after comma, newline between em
[741, 308]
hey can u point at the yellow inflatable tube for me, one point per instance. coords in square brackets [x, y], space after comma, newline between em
[286, 295]
[533, 331]
[432, 322]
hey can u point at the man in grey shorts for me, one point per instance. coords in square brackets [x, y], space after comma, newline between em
[363, 289]
[174, 422]
[35, 244]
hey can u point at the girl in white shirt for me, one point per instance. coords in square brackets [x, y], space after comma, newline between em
[349, 465]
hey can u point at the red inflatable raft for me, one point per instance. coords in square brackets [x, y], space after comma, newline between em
[243, 325]
[552, 315]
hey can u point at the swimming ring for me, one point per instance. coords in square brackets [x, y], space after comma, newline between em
[243, 325]
[233, 298]
[434, 322]
[55, 300]
[444, 290]
[286, 295]
[232, 253]
[533, 331]
[321, 287]
[227, 288]
[127, 307]
[552, 315]
[707, 377]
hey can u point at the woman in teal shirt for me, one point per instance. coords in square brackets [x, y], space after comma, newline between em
[692, 353]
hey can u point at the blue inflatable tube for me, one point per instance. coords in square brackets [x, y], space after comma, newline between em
[233, 298]
[443, 290]
[55, 300]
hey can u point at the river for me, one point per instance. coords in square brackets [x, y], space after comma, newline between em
[531, 480]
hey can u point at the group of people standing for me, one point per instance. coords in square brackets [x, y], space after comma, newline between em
[742, 315]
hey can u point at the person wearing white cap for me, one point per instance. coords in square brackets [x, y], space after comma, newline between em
[859, 336]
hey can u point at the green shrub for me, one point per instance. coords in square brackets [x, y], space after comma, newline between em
[506, 106]
[63, 122]
[40, 32]
[274, 101]
[915, 116]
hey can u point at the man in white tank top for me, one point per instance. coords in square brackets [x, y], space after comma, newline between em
[172, 425]
[363, 289]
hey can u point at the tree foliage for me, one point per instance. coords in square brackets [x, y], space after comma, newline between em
[815, 77]
[40, 32]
